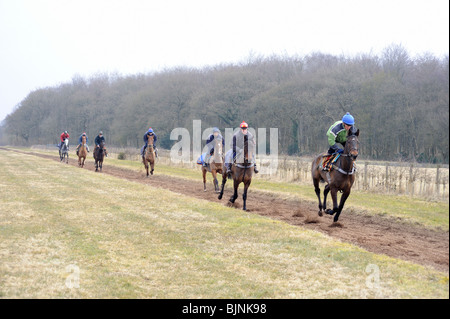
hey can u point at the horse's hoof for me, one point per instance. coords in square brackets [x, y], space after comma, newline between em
[320, 214]
[220, 196]
[329, 212]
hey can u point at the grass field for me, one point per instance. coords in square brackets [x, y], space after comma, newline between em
[120, 239]
[432, 214]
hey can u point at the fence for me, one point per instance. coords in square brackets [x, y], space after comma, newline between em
[413, 179]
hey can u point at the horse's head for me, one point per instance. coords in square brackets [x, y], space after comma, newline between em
[218, 150]
[150, 140]
[249, 149]
[352, 144]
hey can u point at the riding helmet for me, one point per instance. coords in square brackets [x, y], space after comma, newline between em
[244, 125]
[348, 119]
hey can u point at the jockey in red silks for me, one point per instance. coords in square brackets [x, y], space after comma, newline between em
[63, 136]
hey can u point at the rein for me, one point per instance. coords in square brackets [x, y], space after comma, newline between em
[340, 170]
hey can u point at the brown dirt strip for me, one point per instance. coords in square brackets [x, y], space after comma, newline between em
[381, 235]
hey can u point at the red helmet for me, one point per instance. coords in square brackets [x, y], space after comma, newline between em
[244, 125]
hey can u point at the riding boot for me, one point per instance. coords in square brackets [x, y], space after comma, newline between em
[255, 169]
[156, 152]
[229, 168]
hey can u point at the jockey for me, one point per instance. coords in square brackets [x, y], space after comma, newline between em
[63, 136]
[148, 134]
[80, 140]
[210, 144]
[337, 133]
[238, 146]
[98, 140]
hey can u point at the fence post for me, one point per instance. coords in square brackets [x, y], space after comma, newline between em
[365, 186]
[411, 180]
[437, 180]
[386, 184]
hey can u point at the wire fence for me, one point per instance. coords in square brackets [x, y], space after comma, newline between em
[399, 178]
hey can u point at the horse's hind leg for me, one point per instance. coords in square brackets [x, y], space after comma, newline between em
[317, 190]
[325, 194]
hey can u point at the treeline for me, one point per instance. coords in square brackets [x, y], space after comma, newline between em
[400, 103]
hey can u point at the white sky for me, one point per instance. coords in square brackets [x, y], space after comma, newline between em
[46, 42]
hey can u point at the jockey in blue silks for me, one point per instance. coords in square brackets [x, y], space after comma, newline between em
[210, 142]
[148, 134]
[80, 140]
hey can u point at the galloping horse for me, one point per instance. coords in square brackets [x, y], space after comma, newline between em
[99, 155]
[64, 151]
[82, 153]
[215, 165]
[149, 156]
[241, 173]
[339, 178]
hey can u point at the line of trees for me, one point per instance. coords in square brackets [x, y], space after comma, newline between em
[401, 104]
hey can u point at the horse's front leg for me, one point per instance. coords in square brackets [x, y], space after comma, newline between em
[333, 191]
[344, 197]
[224, 181]
[244, 196]
[235, 193]
[215, 181]
[204, 178]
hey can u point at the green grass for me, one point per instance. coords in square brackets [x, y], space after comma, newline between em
[136, 241]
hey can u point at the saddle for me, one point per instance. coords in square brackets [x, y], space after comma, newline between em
[329, 160]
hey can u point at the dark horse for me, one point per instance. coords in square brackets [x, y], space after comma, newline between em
[339, 178]
[99, 155]
[215, 165]
[241, 173]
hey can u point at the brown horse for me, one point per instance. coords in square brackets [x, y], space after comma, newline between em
[99, 155]
[340, 178]
[241, 173]
[215, 165]
[149, 156]
[82, 153]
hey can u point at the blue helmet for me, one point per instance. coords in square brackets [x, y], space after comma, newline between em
[348, 119]
[215, 129]
[150, 130]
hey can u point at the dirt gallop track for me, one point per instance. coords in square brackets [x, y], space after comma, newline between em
[377, 234]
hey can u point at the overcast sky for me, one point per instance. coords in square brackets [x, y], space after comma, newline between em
[46, 42]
